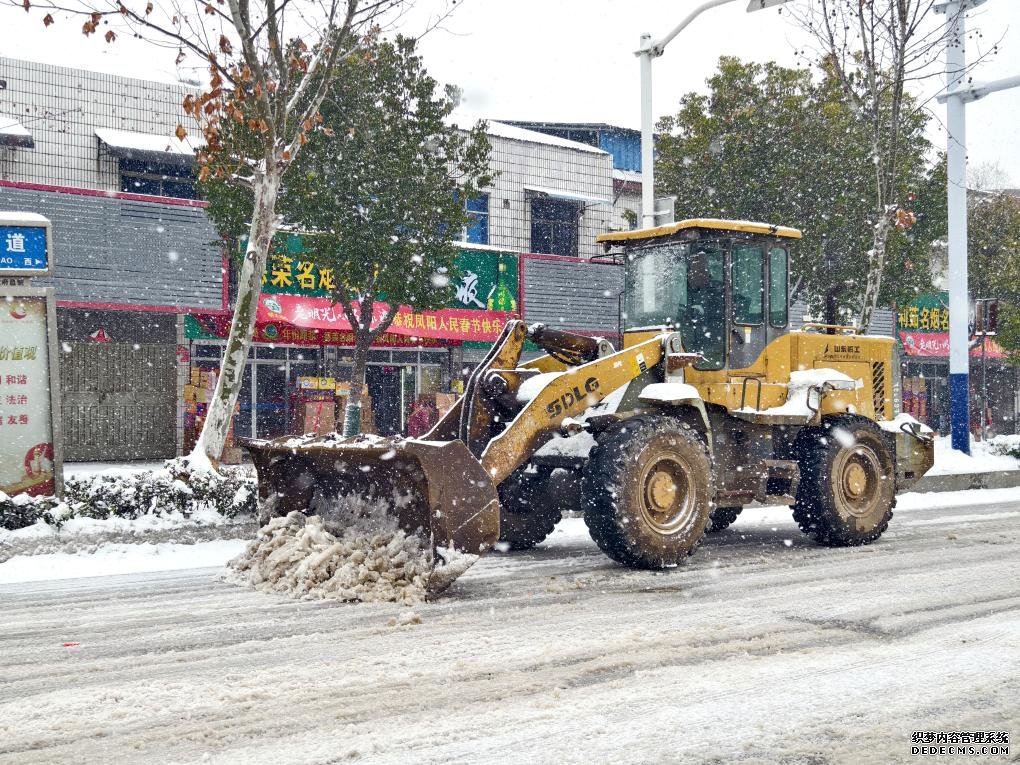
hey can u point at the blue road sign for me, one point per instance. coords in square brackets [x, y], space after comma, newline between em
[23, 248]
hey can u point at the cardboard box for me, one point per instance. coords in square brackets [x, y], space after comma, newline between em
[202, 395]
[308, 383]
[343, 388]
[445, 402]
[196, 375]
[318, 417]
[327, 383]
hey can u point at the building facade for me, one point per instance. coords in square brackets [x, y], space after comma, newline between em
[623, 145]
[142, 278]
[134, 250]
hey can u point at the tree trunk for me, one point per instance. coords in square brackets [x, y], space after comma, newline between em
[876, 267]
[352, 414]
[221, 408]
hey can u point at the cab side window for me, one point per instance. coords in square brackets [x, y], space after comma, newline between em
[779, 285]
[748, 292]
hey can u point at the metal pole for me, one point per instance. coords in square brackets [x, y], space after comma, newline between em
[984, 385]
[647, 50]
[647, 136]
[956, 127]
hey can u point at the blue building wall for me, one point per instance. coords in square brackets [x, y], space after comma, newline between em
[625, 148]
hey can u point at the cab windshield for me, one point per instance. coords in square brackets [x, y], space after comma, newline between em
[681, 286]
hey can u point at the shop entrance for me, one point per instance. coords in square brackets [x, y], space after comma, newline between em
[270, 402]
[384, 386]
[271, 415]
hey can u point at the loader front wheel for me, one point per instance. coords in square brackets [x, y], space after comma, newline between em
[847, 483]
[529, 511]
[647, 490]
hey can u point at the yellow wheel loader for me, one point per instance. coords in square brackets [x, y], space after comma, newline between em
[712, 404]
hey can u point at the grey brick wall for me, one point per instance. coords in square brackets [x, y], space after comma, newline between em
[109, 250]
[517, 163]
[62, 107]
[575, 296]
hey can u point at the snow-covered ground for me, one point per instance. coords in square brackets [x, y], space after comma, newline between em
[119, 558]
[981, 459]
[103, 559]
[763, 648]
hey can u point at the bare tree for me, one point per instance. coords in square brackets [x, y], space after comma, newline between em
[988, 176]
[877, 48]
[270, 64]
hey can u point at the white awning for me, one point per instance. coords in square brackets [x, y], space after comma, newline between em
[572, 196]
[13, 133]
[147, 146]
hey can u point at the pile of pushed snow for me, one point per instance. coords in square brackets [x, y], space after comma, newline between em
[353, 554]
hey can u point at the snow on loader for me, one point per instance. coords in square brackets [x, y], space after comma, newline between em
[712, 404]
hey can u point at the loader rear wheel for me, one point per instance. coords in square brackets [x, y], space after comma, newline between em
[847, 483]
[529, 511]
[648, 491]
[722, 517]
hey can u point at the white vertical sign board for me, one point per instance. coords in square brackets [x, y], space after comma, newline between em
[31, 458]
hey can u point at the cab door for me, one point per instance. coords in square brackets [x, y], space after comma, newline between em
[748, 334]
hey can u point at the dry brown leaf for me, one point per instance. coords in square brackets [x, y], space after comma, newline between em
[180, 132]
[47, 19]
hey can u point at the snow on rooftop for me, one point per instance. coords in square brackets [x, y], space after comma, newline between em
[465, 120]
[149, 142]
[627, 176]
[14, 217]
[10, 126]
[13, 133]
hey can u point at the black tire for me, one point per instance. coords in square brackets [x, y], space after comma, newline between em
[722, 517]
[529, 512]
[847, 482]
[647, 490]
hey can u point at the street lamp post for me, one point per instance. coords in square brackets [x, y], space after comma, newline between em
[957, 95]
[647, 50]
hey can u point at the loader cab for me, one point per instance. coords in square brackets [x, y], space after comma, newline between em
[723, 285]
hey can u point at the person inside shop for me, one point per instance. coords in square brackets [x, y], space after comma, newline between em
[424, 415]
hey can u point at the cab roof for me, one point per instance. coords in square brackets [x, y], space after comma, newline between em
[717, 224]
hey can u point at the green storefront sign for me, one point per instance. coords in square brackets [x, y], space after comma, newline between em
[925, 313]
[486, 281]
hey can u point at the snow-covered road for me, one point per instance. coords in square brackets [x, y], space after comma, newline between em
[765, 648]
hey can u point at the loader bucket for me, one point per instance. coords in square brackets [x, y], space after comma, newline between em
[436, 490]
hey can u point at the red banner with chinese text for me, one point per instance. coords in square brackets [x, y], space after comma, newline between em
[936, 345]
[218, 325]
[322, 315]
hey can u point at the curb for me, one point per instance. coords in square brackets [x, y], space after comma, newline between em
[998, 479]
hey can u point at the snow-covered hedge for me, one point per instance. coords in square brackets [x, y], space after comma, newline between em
[1007, 446]
[174, 488]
